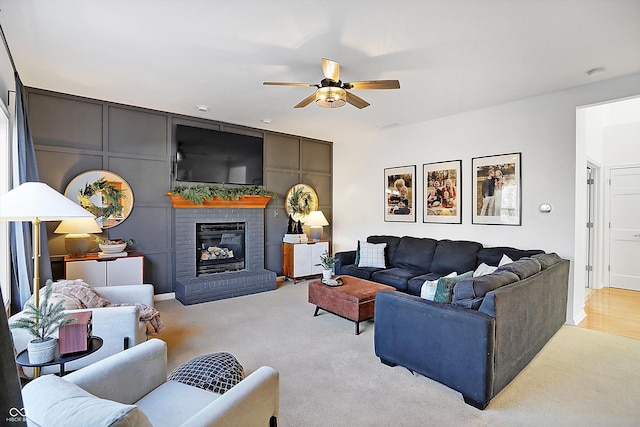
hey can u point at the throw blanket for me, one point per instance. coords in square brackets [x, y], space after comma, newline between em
[84, 296]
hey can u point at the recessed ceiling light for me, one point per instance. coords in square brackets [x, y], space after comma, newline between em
[266, 121]
[202, 108]
[594, 71]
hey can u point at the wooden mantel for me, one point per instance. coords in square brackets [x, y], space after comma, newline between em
[246, 202]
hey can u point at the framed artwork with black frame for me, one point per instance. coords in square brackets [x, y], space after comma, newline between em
[497, 189]
[442, 192]
[399, 194]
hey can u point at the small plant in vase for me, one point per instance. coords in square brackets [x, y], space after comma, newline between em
[41, 322]
[326, 262]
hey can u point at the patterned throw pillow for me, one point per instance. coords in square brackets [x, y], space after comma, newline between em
[428, 290]
[444, 290]
[216, 372]
[372, 255]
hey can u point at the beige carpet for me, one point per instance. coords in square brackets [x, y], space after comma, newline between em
[331, 377]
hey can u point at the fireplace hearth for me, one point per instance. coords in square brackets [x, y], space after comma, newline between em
[239, 231]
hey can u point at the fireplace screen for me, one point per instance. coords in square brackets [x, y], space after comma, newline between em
[219, 247]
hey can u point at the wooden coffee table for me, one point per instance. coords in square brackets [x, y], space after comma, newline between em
[354, 300]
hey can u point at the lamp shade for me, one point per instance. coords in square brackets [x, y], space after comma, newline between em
[78, 225]
[316, 219]
[37, 200]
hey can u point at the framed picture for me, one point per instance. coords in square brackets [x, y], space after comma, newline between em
[497, 189]
[399, 194]
[442, 192]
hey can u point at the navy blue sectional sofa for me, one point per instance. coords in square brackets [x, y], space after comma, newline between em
[490, 331]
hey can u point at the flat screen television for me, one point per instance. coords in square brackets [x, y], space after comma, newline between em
[211, 156]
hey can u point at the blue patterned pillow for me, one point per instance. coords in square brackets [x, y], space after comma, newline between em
[216, 372]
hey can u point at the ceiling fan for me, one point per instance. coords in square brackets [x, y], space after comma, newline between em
[332, 92]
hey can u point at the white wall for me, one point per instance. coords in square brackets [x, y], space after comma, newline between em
[622, 144]
[543, 129]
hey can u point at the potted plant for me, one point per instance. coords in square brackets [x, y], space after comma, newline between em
[326, 262]
[41, 322]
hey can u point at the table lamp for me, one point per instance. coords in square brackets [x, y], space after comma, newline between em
[36, 202]
[77, 239]
[315, 221]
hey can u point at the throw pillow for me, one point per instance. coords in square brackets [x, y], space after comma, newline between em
[372, 255]
[484, 269]
[52, 401]
[216, 372]
[357, 254]
[505, 260]
[428, 290]
[444, 290]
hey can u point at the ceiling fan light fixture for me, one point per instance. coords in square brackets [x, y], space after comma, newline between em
[331, 97]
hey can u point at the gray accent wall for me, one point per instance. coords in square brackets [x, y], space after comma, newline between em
[74, 134]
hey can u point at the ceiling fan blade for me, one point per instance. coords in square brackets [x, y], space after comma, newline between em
[308, 100]
[356, 101]
[373, 84]
[331, 69]
[288, 84]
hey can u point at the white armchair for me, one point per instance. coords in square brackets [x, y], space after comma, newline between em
[119, 327]
[131, 388]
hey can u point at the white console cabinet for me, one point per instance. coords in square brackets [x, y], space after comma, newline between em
[299, 259]
[106, 271]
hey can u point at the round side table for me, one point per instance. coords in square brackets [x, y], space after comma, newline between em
[94, 345]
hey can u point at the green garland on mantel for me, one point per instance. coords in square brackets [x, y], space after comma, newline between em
[200, 192]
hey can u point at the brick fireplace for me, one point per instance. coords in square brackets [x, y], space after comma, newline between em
[193, 288]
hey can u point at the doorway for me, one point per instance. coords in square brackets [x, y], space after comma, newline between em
[624, 236]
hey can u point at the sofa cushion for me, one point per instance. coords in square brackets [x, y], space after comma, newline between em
[372, 255]
[361, 272]
[415, 283]
[523, 268]
[160, 404]
[444, 288]
[392, 245]
[52, 401]
[415, 254]
[492, 256]
[469, 293]
[455, 255]
[547, 260]
[396, 277]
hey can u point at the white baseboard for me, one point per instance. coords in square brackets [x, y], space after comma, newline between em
[579, 317]
[164, 297]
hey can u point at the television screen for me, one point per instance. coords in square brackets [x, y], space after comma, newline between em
[205, 155]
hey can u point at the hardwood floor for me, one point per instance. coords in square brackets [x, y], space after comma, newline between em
[613, 310]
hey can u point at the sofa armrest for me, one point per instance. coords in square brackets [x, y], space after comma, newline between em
[112, 324]
[342, 259]
[127, 376]
[251, 402]
[449, 344]
[127, 294]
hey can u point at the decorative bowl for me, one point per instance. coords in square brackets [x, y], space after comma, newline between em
[113, 249]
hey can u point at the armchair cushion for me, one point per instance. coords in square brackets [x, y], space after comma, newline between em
[50, 400]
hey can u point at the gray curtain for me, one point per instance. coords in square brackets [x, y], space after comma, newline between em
[10, 397]
[25, 169]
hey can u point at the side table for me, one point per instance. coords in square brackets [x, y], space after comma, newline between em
[94, 345]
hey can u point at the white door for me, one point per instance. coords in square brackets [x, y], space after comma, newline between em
[625, 229]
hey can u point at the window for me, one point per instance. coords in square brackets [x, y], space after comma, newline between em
[5, 169]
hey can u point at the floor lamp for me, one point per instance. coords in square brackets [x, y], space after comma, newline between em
[37, 202]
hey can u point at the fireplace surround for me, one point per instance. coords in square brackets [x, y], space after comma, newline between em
[194, 288]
